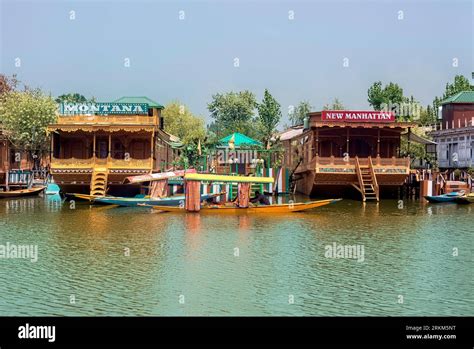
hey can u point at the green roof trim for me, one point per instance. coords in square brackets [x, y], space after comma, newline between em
[461, 97]
[141, 99]
[239, 140]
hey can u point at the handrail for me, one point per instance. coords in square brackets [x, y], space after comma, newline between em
[359, 177]
[374, 178]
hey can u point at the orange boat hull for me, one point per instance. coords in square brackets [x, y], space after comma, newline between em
[272, 209]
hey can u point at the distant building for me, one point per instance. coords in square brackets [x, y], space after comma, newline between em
[454, 134]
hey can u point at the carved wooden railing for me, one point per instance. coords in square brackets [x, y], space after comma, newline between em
[107, 119]
[110, 163]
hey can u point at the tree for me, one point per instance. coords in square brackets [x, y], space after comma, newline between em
[390, 95]
[269, 115]
[73, 98]
[300, 112]
[336, 105]
[25, 116]
[180, 122]
[233, 112]
[8, 84]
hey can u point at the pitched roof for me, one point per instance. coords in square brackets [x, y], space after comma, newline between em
[461, 97]
[140, 99]
[239, 140]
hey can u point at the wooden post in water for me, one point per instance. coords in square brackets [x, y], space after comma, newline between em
[192, 201]
[244, 194]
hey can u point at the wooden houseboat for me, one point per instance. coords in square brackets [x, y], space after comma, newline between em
[96, 146]
[339, 152]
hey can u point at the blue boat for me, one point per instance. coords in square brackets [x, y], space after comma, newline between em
[135, 201]
[450, 197]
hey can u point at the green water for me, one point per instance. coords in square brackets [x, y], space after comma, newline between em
[190, 264]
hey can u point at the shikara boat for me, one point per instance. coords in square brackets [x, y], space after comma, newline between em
[21, 192]
[140, 201]
[79, 197]
[450, 197]
[272, 209]
[466, 199]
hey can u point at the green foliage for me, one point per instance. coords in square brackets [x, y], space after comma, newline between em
[25, 116]
[391, 94]
[73, 98]
[300, 112]
[269, 115]
[233, 112]
[180, 122]
[335, 105]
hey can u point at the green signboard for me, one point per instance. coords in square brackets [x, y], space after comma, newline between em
[103, 108]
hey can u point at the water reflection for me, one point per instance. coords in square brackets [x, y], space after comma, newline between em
[83, 251]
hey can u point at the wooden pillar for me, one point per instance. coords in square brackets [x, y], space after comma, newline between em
[192, 201]
[378, 143]
[409, 134]
[243, 195]
[110, 146]
[152, 148]
[347, 140]
[93, 147]
[317, 142]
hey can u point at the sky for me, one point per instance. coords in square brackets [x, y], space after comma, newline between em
[189, 50]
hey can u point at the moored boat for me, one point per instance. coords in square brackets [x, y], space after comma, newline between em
[22, 192]
[466, 199]
[140, 201]
[449, 197]
[272, 209]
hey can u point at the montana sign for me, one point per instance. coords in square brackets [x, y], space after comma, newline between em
[357, 116]
[103, 108]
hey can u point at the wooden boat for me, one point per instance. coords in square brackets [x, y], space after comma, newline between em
[466, 199]
[21, 192]
[450, 197]
[139, 201]
[157, 176]
[272, 209]
[79, 197]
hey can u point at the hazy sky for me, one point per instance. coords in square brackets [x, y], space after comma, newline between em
[193, 58]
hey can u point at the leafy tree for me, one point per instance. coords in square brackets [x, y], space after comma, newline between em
[391, 94]
[180, 122]
[269, 115]
[233, 112]
[300, 112]
[73, 98]
[25, 116]
[8, 84]
[336, 105]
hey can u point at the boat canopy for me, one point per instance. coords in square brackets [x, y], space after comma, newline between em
[223, 178]
[157, 176]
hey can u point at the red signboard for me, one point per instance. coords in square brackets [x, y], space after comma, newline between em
[357, 116]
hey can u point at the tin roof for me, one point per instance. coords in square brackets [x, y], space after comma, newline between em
[140, 99]
[461, 97]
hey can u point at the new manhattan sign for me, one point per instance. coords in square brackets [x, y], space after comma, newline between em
[103, 108]
[357, 116]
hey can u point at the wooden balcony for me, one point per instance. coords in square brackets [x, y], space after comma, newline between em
[109, 163]
[334, 164]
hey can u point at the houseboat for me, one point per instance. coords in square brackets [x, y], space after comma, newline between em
[95, 146]
[346, 153]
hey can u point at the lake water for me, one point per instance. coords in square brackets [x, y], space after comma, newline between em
[417, 260]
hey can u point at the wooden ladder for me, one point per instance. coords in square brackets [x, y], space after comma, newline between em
[368, 185]
[99, 182]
